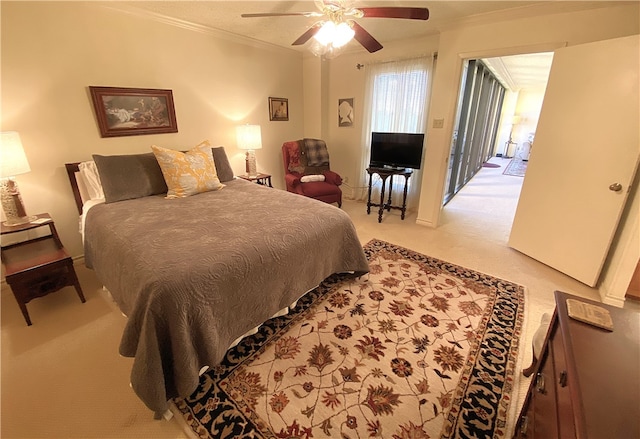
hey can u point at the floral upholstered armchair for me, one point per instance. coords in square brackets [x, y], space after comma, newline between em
[306, 169]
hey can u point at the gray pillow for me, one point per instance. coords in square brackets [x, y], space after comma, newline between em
[223, 168]
[124, 177]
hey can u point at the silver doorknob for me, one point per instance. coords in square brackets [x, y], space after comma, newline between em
[616, 187]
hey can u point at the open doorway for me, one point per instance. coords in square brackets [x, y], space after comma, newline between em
[477, 119]
[498, 128]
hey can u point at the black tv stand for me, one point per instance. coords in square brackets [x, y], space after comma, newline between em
[385, 173]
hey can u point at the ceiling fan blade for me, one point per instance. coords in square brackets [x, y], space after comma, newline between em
[282, 14]
[396, 12]
[365, 38]
[307, 35]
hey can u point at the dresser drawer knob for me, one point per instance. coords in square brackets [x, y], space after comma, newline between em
[540, 383]
[563, 379]
[524, 425]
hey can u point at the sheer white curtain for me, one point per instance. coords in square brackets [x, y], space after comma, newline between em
[396, 100]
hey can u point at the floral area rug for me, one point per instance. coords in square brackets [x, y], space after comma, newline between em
[516, 167]
[418, 348]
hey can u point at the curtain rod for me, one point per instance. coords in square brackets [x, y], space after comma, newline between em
[434, 55]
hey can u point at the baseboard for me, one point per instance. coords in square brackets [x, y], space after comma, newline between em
[612, 300]
[426, 223]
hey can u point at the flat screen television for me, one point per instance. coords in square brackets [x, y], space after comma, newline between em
[396, 150]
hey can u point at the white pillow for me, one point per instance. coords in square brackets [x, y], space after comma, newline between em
[315, 177]
[89, 173]
[82, 187]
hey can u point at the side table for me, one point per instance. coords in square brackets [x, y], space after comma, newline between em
[263, 179]
[39, 266]
[385, 174]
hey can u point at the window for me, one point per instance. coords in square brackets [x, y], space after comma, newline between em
[396, 101]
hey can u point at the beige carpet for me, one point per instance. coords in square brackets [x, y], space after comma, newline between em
[63, 377]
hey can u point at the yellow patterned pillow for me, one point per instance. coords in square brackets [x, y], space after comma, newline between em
[187, 173]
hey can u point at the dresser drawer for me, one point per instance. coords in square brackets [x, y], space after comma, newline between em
[543, 394]
[566, 419]
[539, 415]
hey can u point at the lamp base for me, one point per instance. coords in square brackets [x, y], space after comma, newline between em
[12, 204]
[251, 166]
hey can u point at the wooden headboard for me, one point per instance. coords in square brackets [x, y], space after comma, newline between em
[72, 168]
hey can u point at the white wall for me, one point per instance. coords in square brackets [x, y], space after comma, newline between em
[51, 53]
[528, 109]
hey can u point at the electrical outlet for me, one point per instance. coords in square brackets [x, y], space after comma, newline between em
[345, 179]
[438, 123]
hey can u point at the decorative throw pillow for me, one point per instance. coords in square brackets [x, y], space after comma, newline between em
[124, 177]
[187, 173]
[314, 177]
[225, 173]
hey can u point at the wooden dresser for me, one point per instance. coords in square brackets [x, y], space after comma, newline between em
[587, 382]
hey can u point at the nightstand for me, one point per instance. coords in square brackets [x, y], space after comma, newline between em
[263, 179]
[39, 266]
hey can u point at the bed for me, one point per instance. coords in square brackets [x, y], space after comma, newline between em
[193, 274]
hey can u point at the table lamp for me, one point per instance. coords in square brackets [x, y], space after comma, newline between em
[249, 138]
[13, 161]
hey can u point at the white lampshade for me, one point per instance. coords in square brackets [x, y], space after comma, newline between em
[249, 137]
[13, 160]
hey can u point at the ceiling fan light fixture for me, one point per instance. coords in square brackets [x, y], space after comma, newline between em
[336, 35]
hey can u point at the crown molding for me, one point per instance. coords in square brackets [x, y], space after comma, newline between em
[183, 24]
[529, 11]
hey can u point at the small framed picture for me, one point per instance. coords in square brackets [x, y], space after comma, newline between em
[278, 109]
[133, 111]
[345, 112]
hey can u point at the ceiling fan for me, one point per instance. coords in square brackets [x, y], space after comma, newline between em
[338, 25]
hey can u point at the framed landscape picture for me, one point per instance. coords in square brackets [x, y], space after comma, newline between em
[133, 111]
[278, 109]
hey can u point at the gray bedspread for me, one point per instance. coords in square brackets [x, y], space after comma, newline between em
[193, 274]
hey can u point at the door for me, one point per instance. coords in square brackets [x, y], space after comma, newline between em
[583, 159]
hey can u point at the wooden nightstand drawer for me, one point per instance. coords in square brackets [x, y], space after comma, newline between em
[41, 284]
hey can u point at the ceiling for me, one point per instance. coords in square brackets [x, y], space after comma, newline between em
[224, 16]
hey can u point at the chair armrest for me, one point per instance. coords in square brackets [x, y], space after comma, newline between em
[332, 177]
[292, 180]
